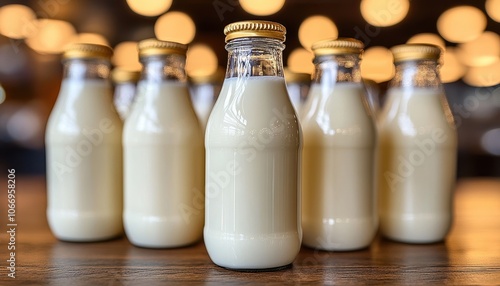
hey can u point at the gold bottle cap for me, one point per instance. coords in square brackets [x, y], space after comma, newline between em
[296, 77]
[153, 47]
[338, 46]
[120, 75]
[83, 50]
[410, 52]
[255, 29]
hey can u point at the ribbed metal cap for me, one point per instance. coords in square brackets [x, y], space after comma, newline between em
[82, 50]
[410, 52]
[338, 46]
[153, 47]
[254, 29]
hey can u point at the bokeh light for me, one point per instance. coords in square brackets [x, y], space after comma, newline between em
[483, 76]
[483, 51]
[126, 56]
[91, 38]
[201, 60]
[17, 21]
[493, 9]
[316, 28]
[452, 69]
[175, 27]
[461, 24]
[51, 36]
[384, 13]
[377, 64]
[262, 7]
[427, 38]
[149, 7]
[301, 61]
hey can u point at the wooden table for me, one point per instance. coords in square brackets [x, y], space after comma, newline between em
[470, 255]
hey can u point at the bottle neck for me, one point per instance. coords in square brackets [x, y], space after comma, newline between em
[254, 57]
[416, 74]
[82, 69]
[337, 68]
[164, 68]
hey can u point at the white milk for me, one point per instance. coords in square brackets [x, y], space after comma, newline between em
[252, 194]
[417, 166]
[84, 163]
[338, 199]
[164, 168]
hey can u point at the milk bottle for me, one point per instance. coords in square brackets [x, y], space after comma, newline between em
[338, 163]
[163, 154]
[253, 143]
[418, 145]
[125, 85]
[84, 150]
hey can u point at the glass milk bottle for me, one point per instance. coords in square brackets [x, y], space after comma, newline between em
[204, 91]
[418, 145]
[298, 87]
[253, 144]
[125, 85]
[84, 150]
[338, 162]
[163, 154]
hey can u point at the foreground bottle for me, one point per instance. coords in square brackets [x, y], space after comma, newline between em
[163, 154]
[253, 143]
[125, 85]
[84, 150]
[338, 207]
[417, 154]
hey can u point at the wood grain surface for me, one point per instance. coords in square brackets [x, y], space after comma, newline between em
[470, 254]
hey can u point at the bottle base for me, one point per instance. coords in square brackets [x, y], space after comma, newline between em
[417, 229]
[273, 269]
[84, 227]
[160, 232]
[354, 235]
[252, 253]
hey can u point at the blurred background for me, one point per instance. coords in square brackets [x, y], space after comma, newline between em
[34, 33]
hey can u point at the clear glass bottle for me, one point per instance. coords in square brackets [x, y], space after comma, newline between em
[418, 145]
[338, 192]
[125, 86]
[253, 144]
[297, 85]
[204, 91]
[163, 154]
[84, 150]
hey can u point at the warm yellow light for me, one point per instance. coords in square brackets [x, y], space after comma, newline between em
[377, 64]
[262, 7]
[482, 51]
[149, 7]
[301, 61]
[126, 56]
[461, 24]
[452, 69]
[201, 60]
[16, 21]
[316, 28]
[427, 38]
[175, 27]
[91, 38]
[51, 36]
[383, 13]
[483, 76]
[493, 9]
